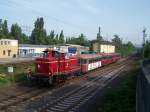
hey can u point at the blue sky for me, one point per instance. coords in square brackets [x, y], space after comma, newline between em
[123, 17]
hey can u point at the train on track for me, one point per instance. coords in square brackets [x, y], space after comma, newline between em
[56, 66]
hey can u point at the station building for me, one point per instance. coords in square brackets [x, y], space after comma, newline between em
[29, 50]
[8, 48]
[103, 46]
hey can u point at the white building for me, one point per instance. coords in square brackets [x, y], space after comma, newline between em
[103, 46]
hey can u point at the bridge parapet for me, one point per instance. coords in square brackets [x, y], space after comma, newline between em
[143, 88]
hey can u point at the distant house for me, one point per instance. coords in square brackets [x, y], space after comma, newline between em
[103, 46]
[8, 48]
[29, 50]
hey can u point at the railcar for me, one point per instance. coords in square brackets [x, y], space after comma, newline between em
[109, 58]
[55, 66]
[90, 62]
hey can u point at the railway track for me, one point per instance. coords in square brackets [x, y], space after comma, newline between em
[69, 101]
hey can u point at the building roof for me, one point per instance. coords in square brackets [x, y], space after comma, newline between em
[8, 40]
[36, 46]
[103, 42]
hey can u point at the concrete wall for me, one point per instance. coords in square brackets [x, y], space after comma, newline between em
[8, 48]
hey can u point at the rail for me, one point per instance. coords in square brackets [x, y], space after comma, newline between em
[143, 88]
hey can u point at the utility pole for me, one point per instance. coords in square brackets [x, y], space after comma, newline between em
[144, 36]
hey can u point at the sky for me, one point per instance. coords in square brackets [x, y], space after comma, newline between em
[127, 18]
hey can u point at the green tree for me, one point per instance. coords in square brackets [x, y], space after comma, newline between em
[123, 49]
[147, 49]
[81, 40]
[16, 32]
[24, 39]
[61, 37]
[51, 37]
[5, 29]
[38, 35]
[118, 42]
[1, 31]
[57, 39]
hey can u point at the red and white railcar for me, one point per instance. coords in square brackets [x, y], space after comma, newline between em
[90, 62]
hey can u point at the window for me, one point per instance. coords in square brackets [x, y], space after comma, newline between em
[4, 52]
[79, 61]
[1, 42]
[55, 54]
[9, 51]
[5, 42]
[83, 61]
[45, 54]
[8, 42]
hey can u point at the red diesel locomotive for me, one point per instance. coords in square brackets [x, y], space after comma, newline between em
[55, 66]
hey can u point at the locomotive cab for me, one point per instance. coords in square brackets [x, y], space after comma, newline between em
[55, 65]
[46, 66]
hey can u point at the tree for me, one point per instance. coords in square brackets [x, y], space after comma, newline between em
[16, 32]
[117, 40]
[81, 40]
[57, 39]
[38, 35]
[24, 39]
[51, 37]
[5, 29]
[123, 49]
[147, 49]
[61, 37]
[1, 31]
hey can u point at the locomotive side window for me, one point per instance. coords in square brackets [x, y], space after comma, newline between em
[83, 61]
[79, 61]
[55, 54]
[45, 54]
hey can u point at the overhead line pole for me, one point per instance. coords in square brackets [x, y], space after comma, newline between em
[144, 36]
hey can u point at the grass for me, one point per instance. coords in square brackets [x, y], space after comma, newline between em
[20, 72]
[123, 97]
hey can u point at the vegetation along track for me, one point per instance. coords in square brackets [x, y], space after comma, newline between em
[70, 101]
